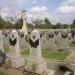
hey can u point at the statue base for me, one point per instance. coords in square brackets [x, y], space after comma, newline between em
[16, 61]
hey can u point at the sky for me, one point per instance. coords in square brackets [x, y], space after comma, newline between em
[57, 11]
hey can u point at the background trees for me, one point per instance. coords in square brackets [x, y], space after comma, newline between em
[42, 24]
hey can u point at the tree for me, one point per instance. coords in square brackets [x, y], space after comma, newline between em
[37, 23]
[65, 26]
[59, 25]
[47, 22]
[74, 22]
[18, 24]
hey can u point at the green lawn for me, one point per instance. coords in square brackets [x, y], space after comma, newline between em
[72, 45]
[45, 53]
[55, 55]
[7, 50]
[2, 73]
[49, 54]
[25, 52]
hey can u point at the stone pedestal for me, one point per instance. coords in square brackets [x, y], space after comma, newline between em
[16, 61]
[40, 66]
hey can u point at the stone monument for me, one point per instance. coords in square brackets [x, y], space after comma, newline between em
[24, 22]
[6, 39]
[22, 40]
[15, 57]
[35, 45]
[52, 40]
[43, 40]
[64, 40]
[36, 63]
[1, 42]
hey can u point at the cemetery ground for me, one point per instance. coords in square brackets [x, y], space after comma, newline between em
[55, 55]
[50, 55]
[72, 44]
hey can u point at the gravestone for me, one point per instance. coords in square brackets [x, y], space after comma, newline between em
[58, 41]
[22, 40]
[1, 42]
[43, 40]
[6, 39]
[73, 34]
[51, 40]
[64, 40]
[69, 38]
[35, 45]
[15, 57]
[36, 63]
[35, 58]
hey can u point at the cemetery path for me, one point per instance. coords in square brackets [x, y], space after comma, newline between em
[11, 71]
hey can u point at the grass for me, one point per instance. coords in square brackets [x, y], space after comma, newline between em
[49, 54]
[54, 55]
[25, 52]
[45, 53]
[2, 73]
[7, 50]
[72, 44]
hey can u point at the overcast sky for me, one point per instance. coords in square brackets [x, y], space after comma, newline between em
[62, 11]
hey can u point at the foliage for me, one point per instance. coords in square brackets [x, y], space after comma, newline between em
[74, 22]
[18, 24]
[34, 66]
[42, 24]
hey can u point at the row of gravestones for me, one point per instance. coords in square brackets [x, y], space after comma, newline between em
[50, 39]
[35, 53]
[35, 57]
[22, 40]
[54, 39]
